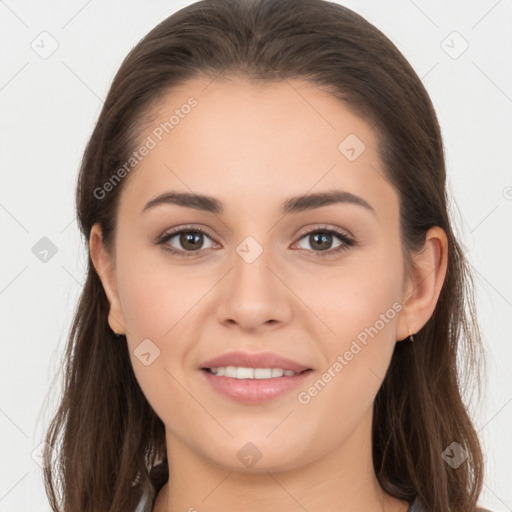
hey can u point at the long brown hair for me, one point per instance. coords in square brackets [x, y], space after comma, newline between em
[109, 442]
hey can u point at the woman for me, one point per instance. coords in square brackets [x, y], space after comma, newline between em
[275, 298]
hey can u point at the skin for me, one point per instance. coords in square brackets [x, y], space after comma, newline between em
[253, 146]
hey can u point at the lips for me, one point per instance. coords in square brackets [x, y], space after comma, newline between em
[254, 360]
[256, 388]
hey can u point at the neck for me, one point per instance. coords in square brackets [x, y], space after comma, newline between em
[342, 480]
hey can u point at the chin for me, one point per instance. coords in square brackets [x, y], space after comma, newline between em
[258, 456]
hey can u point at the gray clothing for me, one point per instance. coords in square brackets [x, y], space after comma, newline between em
[145, 505]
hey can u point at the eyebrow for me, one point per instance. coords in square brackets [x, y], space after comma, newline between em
[291, 205]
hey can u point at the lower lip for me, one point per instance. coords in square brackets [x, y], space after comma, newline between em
[254, 391]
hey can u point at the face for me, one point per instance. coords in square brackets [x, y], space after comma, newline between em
[320, 285]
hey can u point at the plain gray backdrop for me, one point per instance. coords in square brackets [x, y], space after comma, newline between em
[57, 62]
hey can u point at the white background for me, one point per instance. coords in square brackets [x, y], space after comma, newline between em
[48, 110]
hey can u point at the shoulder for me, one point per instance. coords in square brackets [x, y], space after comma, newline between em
[158, 476]
[416, 506]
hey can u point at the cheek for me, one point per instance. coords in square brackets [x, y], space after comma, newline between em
[160, 305]
[154, 294]
[155, 313]
[353, 296]
[361, 309]
[360, 304]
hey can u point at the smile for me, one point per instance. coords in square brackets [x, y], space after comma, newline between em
[240, 372]
[253, 386]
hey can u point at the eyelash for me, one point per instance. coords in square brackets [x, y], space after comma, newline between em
[347, 241]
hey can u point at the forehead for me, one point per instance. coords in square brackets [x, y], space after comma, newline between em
[254, 143]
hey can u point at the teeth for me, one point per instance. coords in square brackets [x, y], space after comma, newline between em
[240, 372]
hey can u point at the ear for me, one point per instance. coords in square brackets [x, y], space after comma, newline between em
[103, 262]
[423, 286]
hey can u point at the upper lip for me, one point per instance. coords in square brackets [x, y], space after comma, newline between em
[254, 360]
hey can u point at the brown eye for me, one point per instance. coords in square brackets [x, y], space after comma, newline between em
[190, 240]
[185, 241]
[321, 241]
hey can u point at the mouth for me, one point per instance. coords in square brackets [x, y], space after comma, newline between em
[253, 386]
[240, 364]
[253, 377]
[241, 372]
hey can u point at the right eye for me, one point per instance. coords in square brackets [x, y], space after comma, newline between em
[190, 239]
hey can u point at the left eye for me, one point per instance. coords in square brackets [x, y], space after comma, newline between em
[322, 237]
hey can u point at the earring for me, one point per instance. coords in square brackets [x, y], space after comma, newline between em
[118, 334]
[411, 337]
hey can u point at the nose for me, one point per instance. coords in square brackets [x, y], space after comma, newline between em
[254, 294]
